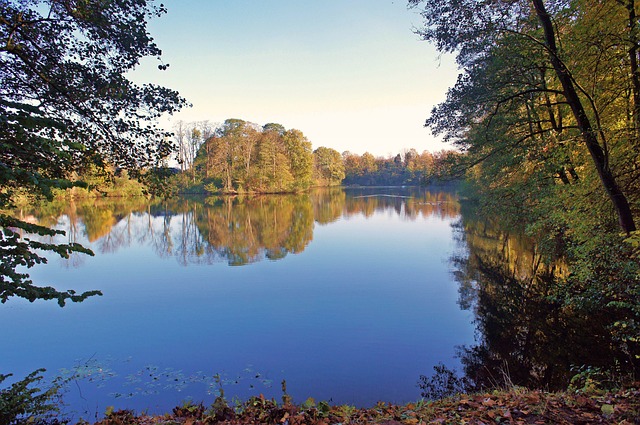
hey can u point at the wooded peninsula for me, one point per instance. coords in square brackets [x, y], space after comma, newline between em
[238, 156]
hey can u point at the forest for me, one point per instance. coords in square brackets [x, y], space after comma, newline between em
[404, 169]
[546, 114]
[238, 156]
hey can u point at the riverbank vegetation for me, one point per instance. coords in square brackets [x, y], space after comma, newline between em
[515, 405]
[243, 157]
[404, 169]
[238, 156]
[546, 111]
[518, 406]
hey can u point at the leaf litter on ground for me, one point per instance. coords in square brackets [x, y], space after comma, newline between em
[517, 407]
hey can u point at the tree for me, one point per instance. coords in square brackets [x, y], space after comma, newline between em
[538, 88]
[180, 136]
[246, 142]
[65, 103]
[219, 159]
[328, 166]
[229, 153]
[300, 158]
[407, 168]
[194, 136]
[545, 110]
[369, 163]
[273, 165]
[594, 144]
[278, 128]
[352, 164]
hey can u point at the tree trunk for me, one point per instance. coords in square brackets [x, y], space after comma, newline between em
[625, 217]
[633, 63]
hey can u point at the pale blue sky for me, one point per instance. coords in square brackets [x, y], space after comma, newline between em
[351, 75]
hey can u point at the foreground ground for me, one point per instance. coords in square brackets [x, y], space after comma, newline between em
[513, 407]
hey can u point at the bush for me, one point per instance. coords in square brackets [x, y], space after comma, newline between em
[443, 383]
[23, 402]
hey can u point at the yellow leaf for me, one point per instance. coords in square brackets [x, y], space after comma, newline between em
[607, 409]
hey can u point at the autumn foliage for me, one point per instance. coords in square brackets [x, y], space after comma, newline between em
[512, 407]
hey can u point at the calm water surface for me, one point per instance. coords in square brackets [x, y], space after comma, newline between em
[349, 295]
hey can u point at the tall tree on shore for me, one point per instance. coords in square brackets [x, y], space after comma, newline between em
[182, 146]
[300, 157]
[594, 140]
[66, 103]
[545, 108]
[549, 88]
[328, 166]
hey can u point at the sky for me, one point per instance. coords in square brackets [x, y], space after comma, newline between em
[351, 75]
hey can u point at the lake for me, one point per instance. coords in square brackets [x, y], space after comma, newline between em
[347, 294]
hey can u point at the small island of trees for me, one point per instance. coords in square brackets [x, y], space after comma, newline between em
[239, 156]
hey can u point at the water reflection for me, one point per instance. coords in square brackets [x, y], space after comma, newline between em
[246, 230]
[365, 305]
[237, 230]
[528, 335]
[384, 297]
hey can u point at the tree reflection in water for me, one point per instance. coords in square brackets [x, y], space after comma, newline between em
[529, 334]
[529, 331]
[237, 230]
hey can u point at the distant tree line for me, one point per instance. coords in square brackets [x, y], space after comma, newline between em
[240, 156]
[406, 168]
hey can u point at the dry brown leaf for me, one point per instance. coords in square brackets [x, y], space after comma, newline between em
[489, 402]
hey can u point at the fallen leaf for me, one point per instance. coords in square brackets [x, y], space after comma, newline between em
[607, 409]
[489, 402]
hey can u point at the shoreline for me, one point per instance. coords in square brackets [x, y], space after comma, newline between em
[516, 406]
